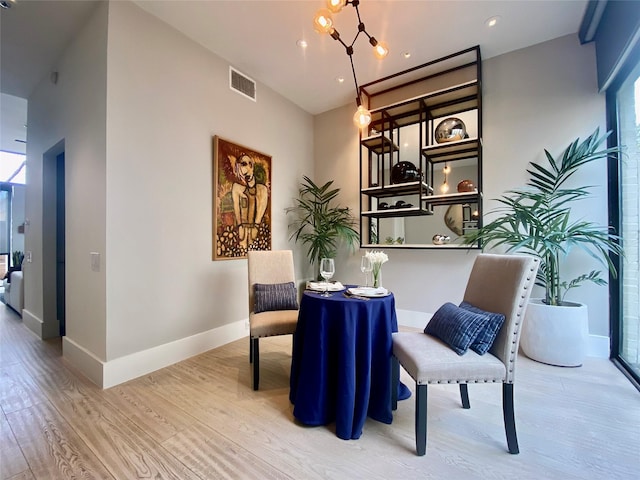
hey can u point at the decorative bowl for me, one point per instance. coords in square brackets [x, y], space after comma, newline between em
[403, 172]
[450, 130]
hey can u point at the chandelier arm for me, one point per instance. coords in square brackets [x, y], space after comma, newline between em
[355, 80]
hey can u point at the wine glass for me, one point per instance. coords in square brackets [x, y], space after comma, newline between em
[327, 269]
[366, 268]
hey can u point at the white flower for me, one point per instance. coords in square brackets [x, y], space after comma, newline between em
[377, 257]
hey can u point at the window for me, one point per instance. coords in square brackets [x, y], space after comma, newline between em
[12, 167]
[626, 341]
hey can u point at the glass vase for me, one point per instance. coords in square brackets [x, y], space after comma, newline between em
[377, 277]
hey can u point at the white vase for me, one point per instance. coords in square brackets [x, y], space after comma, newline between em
[556, 335]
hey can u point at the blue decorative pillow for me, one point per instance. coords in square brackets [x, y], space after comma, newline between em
[274, 296]
[487, 335]
[456, 326]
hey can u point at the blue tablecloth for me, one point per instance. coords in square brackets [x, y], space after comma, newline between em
[341, 369]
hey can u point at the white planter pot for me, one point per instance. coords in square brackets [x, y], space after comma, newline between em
[556, 335]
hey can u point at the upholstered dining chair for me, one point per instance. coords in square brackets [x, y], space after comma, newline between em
[273, 300]
[499, 284]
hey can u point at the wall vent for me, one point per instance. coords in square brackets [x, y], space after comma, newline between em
[240, 83]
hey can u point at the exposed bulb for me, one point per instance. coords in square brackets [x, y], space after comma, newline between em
[336, 5]
[322, 22]
[381, 50]
[444, 188]
[446, 170]
[362, 117]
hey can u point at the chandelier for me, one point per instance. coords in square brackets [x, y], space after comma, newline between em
[323, 23]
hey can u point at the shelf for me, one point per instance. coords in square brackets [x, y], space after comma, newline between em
[379, 144]
[396, 189]
[440, 103]
[452, 198]
[447, 152]
[449, 246]
[397, 212]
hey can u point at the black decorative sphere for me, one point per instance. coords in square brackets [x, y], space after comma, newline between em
[450, 130]
[403, 172]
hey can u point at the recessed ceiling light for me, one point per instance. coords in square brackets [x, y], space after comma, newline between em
[492, 21]
[340, 79]
[406, 54]
[302, 43]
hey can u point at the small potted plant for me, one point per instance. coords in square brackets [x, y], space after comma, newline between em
[536, 220]
[320, 225]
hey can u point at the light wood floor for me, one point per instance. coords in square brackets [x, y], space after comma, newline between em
[199, 419]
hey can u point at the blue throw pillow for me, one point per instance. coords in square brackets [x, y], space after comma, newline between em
[487, 335]
[274, 296]
[456, 326]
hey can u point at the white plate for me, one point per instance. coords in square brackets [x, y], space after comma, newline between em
[321, 286]
[369, 291]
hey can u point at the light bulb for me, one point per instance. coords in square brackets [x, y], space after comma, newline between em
[446, 169]
[322, 22]
[336, 5]
[444, 188]
[381, 50]
[362, 117]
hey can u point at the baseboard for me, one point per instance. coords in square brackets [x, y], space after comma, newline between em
[123, 369]
[85, 361]
[597, 345]
[39, 327]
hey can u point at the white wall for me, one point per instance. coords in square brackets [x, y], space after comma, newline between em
[70, 115]
[135, 109]
[167, 97]
[540, 97]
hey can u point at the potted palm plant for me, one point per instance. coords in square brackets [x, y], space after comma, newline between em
[318, 224]
[536, 220]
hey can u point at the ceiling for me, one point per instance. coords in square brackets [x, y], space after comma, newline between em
[259, 38]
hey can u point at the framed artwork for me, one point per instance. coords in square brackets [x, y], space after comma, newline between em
[241, 200]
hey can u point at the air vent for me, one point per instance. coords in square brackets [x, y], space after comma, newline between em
[239, 82]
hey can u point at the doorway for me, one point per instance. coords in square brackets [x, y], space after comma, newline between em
[53, 244]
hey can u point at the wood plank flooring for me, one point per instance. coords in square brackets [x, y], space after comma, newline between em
[200, 419]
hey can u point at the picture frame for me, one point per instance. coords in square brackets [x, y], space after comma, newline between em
[241, 200]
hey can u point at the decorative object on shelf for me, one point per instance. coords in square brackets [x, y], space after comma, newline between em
[392, 241]
[383, 206]
[536, 220]
[377, 258]
[444, 188]
[403, 172]
[439, 239]
[450, 130]
[241, 200]
[466, 186]
[323, 23]
[453, 218]
[320, 225]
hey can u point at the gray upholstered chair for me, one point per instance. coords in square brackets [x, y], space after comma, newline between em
[500, 284]
[268, 267]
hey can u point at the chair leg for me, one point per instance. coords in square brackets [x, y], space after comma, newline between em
[421, 419]
[250, 349]
[509, 417]
[256, 362]
[464, 395]
[395, 381]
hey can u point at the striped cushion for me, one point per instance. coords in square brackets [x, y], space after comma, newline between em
[456, 326]
[275, 296]
[486, 335]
